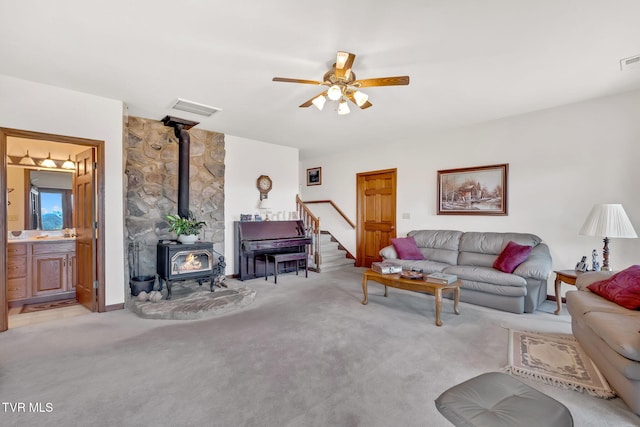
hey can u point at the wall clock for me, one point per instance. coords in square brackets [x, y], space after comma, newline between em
[264, 185]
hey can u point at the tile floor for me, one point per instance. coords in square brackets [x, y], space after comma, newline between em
[17, 319]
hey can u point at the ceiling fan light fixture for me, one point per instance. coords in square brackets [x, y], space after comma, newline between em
[334, 93]
[343, 108]
[27, 160]
[319, 101]
[68, 164]
[48, 163]
[360, 98]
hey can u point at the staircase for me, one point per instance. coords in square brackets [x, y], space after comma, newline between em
[332, 258]
[325, 253]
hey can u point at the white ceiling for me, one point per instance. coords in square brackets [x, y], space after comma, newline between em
[469, 61]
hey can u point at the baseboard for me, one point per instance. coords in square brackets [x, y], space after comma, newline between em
[41, 299]
[553, 298]
[114, 307]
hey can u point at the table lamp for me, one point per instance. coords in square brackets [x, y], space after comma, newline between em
[608, 220]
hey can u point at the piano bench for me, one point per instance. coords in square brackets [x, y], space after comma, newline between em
[277, 258]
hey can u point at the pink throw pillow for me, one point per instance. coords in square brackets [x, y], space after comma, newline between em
[512, 256]
[407, 248]
[623, 288]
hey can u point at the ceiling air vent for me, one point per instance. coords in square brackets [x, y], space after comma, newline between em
[629, 63]
[194, 107]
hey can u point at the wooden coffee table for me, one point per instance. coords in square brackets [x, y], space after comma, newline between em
[395, 281]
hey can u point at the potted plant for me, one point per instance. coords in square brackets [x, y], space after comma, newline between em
[187, 229]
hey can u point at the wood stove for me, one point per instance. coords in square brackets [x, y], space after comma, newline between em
[178, 262]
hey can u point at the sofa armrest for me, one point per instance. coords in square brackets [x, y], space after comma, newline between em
[537, 264]
[585, 279]
[388, 252]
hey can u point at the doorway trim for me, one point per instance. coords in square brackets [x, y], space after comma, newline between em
[100, 210]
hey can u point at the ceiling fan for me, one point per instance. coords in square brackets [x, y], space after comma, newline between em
[343, 85]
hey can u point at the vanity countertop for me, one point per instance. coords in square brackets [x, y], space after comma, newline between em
[40, 239]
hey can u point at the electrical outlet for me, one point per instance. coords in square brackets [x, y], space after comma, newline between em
[406, 215]
[12, 217]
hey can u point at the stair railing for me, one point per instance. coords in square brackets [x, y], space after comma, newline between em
[336, 208]
[312, 226]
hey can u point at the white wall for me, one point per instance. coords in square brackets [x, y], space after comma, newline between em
[41, 108]
[15, 211]
[561, 162]
[245, 161]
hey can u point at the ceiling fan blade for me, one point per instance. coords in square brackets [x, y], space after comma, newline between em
[310, 102]
[288, 80]
[367, 104]
[344, 62]
[382, 81]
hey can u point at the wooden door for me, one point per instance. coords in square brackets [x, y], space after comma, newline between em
[376, 205]
[85, 224]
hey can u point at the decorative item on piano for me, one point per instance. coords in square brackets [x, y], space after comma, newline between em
[385, 268]
[246, 217]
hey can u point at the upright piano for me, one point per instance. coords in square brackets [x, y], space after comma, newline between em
[256, 238]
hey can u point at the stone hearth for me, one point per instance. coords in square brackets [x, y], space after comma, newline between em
[193, 302]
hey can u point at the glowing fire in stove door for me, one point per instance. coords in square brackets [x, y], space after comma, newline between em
[191, 263]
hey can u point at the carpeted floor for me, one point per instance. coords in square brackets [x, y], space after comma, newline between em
[305, 353]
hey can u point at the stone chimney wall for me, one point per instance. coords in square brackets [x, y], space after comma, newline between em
[151, 168]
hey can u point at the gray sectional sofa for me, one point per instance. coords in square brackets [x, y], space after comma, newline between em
[470, 256]
[610, 334]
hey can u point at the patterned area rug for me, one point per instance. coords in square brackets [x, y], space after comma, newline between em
[555, 359]
[30, 308]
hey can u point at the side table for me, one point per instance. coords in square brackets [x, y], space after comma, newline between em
[567, 276]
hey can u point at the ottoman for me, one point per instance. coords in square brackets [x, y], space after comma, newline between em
[497, 399]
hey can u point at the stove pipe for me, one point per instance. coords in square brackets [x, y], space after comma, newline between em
[181, 129]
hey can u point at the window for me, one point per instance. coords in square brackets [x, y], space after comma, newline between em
[55, 208]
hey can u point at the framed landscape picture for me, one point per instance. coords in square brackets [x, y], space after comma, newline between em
[314, 176]
[479, 190]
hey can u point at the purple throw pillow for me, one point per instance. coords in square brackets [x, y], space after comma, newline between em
[512, 256]
[407, 248]
[623, 288]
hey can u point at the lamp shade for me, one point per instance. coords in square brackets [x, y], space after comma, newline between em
[360, 98]
[343, 108]
[608, 220]
[319, 101]
[68, 164]
[334, 93]
[27, 160]
[48, 162]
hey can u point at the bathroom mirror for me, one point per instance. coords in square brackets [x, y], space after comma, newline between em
[39, 200]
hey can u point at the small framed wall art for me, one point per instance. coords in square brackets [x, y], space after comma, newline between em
[479, 190]
[314, 176]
